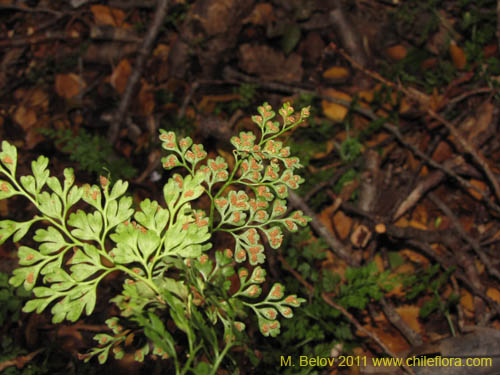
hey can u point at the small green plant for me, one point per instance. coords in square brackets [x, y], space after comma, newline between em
[93, 153]
[430, 280]
[163, 251]
[11, 300]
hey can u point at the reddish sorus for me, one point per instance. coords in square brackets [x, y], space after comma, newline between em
[236, 217]
[263, 191]
[241, 255]
[286, 312]
[30, 278]
[254, 165]
[271, 127]
[170, 162]
[103, 340]
[258, 276]
[199, 152]
[199, 220]
[104, 181]
[167, 137]
[239, 326]
[184, 142]
[139, 355]
[222, 175]
[247, 138]
[242, 273]
[264, 328]
[221, 203]
[228, 253]
[7, 160]
[290, 224]
[190, 155]
[257, 119]
[178, 179]
[189, 194]
[254, 251]
[253, 290]
[252, 233]
[285, 152]
[274, 325]
[277, 292]
[292, 300]
[270, 313]
[203, 259]
[297, 216]
[270, 173]
[29, 257]
[281, 190]
[261, 215]
[290, 162]
[278, 209]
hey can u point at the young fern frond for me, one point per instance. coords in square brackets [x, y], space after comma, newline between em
[163, 252]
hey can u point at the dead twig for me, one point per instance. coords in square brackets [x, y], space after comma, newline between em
[456, 135]
[144, 51]
[342, 310]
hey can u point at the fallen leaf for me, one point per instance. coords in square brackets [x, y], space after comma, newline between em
[334, 111]
[270, 64]
[342, 224]
[409, 313]
[480, 185]
[69, 85]
[457, 56]
[25, 117]
[397, 52]
[415, 257]
[146, 99]
[262, 14]
[494, 294]
[466, 300]
[443, 152]
[104, 15]
[120, 75]
[336, 72]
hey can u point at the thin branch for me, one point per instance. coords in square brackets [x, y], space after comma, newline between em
[144, 52]
[343, 311]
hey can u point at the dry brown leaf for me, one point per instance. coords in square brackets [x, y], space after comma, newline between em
[119, 77]
[420, 214]
[409, 313]
[397, 52]
[342, 224]
[104, 15]
[208, 102]
[270, 64]
[69, 85]
[457, 56]
[334, 111]
[262, 14]
[379, 262]
[494, 294]
[146, 99]
[443, 152]
[330, 146]
[25, 117]
[466, 300]
[479, 185]
[325, 217]
[414, 257]
[336, 72]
